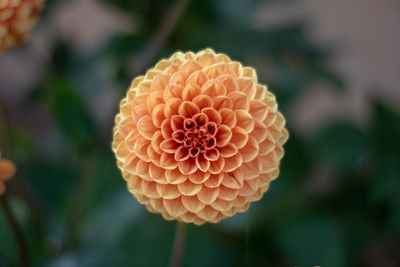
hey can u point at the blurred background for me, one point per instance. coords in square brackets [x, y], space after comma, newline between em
[335, 68]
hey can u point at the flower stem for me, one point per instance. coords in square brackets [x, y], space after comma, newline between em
[17, 232]
[179, 245]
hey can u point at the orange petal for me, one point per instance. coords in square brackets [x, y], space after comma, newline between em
[222, 102]
[140, 148]
[189, 67]
[188, 188]
[247, 86]
[228, 117]
[158, 115]
[181, 154]
[175, 176]
[154, 156]
[259, 132]
[211, 155]
[213, 88]
[159, 82]
[192, 203]
[229, 82]
[228, 151]
[203, 101]
[212, 115]
[171, 107]
[214, 181]
[146, 127]
[232, 163]
[190, 91]
[168, 191]
[199, 177]
[166, 130]
[223, 135]
[258, 109]
[178, 78]
[244, 120]
[167, 161]
[250, 150]
[222, 205]
[240, 100]
[188, 166]
[177, 122]
[202, 163]
[149, 189]
[208, 213]
[188, 109]
[197, 77]
[217, 166]
[226, 193]
[239, 137]
[154, 99]
[142, 170]
[252, 169]
[158, 174]
[174, 207]
[156, 141]
[231, 181]
[169, 146]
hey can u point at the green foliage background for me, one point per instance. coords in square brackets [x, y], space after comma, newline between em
[83, 215]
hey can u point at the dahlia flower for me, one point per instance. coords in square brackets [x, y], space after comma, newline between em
[7, 170]
[17, 17]
[197, 138]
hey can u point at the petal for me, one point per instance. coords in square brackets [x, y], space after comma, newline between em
[167, 161]
[156, 141]
[190, 91]
[223, 135]
[258, 109]
[192, 203]
[158, 115]
[181, 154]
[146, 127]
[226, 193]
[203, 101]
[202, 163]
[141, 148]
[208, 213]
[244, 120]
[259, 132]
[197, 77]
[208, 195]
[175, 176]
[160, 82]
[201, 119]
[154, 99]
[149, 189]
[212, 115]
[172, 91]
[188, 109]
[247, 86]
[228, 151]
[250, 150]
[169, 146]
[228, 117]
[189, 67]
[231, 181]
[213, 88]
[178, 78]
[233, 163]
[188, 166]
[217, 166]
[240, 100]
[239, 137]
[174, 207]
[211, 155]
[168, 191]
[157, 173]
[199, 177]
[188, 188]
[222, 102]
[171, 107]
[230, 83]
[252, 169]
[177, 122]
[222, 205]
[214, 181]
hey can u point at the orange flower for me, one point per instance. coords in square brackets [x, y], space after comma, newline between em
[198, 138]
[17, 17]
[7, 170]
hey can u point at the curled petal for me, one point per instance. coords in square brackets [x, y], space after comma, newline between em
[258, 109]
[228, 117]
[177, 122]
[173, 91]
[169, 145]
[203, 101]
[227, 194]
[212, 115]
[239, 137]
[168, 191]
[159, 82]
[166, 130]
[167, 161]
[240, 100]
[213, 88]
[199, 177]
[233, 163]
[211, 155]
[208, 195]
[154, 99]
[178, 78]
[156, 140]
[222, 102]
[178, 136]
[222, 205]
[259, 132]
[214, 180]
[201, 119]
[158, 115]
[146, 127]
[202, 163]
[192, 203]
[250, 150]
[188, 109]
[208, 213]
[158, 174]
[190, 91]
[141, 149]
[223, 135]
[175, 176]
[150, 189]
[188, 188]
[217, 166]
[247, 86]
[228, 151]
[189, 67]
[171, 107]
[233, 180]
[244, 120]
[252, 169]
[174, 207]
[229, 82]
[197, 77]
[188, 166]
[181, 154]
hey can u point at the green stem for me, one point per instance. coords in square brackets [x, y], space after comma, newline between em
[17, 233]
[179, 245]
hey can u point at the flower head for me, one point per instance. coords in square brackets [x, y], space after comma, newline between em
[17, 17]
[198, 138]
[7, 170]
